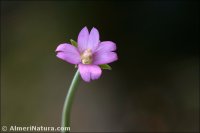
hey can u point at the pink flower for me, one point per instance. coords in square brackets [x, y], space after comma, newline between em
[89, 54]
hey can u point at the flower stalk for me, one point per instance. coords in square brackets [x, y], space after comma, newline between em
[69, 100]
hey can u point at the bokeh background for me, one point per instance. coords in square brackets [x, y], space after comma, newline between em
[153, 87]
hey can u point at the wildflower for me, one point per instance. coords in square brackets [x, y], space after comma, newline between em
[89, 54]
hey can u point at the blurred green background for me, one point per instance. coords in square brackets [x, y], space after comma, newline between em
[154, 86]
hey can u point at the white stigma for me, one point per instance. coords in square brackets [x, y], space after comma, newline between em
[86, 56]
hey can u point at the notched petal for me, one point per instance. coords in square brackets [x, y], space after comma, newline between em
[104, 57]
[83, 39]
[62, 47]
[93, 39]
[69, 53]
[89, 72]
[106, 46]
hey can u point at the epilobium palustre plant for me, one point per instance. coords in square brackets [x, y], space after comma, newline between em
[90, 56]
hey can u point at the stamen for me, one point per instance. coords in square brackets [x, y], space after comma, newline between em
[86, 56]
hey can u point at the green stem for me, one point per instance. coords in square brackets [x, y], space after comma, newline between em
[69, 100]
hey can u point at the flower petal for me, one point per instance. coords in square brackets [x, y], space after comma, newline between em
[106, 46]
[89, 72]
[69, 53]
[102, 57]
[83, 39]
[93, 39]
[62, 47]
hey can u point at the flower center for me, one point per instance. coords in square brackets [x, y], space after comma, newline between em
[86, 56]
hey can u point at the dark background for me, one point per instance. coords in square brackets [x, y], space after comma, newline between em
[154, 86]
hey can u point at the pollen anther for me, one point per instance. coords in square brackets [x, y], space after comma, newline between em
[86, 56]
